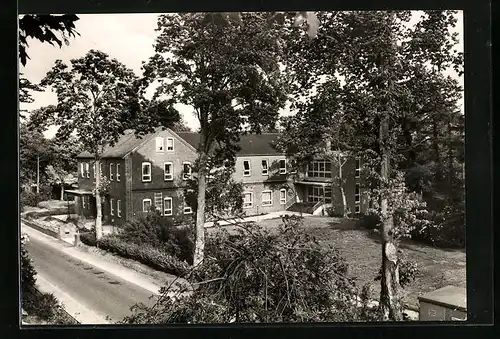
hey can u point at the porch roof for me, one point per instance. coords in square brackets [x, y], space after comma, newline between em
[78, 192]
[317, 183]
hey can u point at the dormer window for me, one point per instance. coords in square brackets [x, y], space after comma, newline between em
[246, 168]
[282, 166]
[160, 144]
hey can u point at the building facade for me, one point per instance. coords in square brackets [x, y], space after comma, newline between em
[152, 171]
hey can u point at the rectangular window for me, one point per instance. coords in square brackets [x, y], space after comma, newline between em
[160, 144]
[146, 171]
[87, 169]
[82, 169]
[357, 172]
[319, 169]
[357, 208]
[100, 169]
[186, 171]
[83, 201]
[111, 166]
[117, 172]
[167, 206]
[293, 166]
[170, 144]
[319, 193]
[119, 208]
[282, 196]
[267, 198]
[111, 207]
[187, 209]
[283, 166]
[146, 205]
[247, 199]
[356, 194]
[246, 168]
[168, 173]
[158, 201]
[94, 168]
[265, 167]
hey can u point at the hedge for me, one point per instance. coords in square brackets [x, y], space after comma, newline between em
[145, 254]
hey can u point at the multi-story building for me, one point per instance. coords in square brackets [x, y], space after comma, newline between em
[153, 170]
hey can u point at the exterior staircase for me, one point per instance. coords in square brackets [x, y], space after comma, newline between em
[302, 207]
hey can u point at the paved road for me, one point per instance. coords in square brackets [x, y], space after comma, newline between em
[104, 293]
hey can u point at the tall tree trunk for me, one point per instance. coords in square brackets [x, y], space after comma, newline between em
[389, 293]
[341, 187]
[62, 192]
[200, 210]
[98, 206]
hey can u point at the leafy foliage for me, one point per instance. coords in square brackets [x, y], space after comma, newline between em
[257, 276]
[43, 28]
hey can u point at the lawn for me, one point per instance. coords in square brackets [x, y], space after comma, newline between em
[361, 248]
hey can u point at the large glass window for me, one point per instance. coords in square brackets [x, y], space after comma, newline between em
[319, 193]
[319, 169]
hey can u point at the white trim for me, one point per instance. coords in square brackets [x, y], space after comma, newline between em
[118, 172]
[82, 169]
[357, 169]
[249, 168]
[94, 168]
[87, 169]
[187, 209]
[173, 142]
[282, 170]
[150, 204]
[190, 170]
[293, 166]
[283, 201]
[357, 197]
[171, 206]
[264, 202]
[357, 208]
[159, 146]
[111, 165]
[148, 179]
[111, 209]
[251, 199]
[118, 208]
[100, 169]
[265, 169]
[171, 171]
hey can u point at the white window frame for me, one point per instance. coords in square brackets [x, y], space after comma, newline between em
[247, 173]
[171, 175]
[118, 172]
[100, 169]
[111, 209]
[83, 201]
[293, 166]
[282, 169]
[357, 197]
[82, 169]
[150, 204]
[111, 166]
[265, 171]
[167, 147]
[148, 177]
[314, 170]
[159, 145]
[357, 170]
[357, 209]
[165, 208]
[94, 168]
[251, 200]
[190, 170]
[266, 202]
[118, 208]
[87, 169]
[283, 201]
[187, 209]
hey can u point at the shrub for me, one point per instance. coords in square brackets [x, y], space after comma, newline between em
[29, 198]
[407, 270]
[259, 276]
[88, 238]
[370, 220]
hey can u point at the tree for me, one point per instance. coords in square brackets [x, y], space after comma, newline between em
[44, 27]
[228, 72]
[95, 98]
[385, 86]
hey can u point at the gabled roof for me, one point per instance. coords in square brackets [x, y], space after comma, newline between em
[251, 144]
[125, 144]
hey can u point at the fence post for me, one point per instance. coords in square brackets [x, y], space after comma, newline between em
[77, 238]
[59, 233]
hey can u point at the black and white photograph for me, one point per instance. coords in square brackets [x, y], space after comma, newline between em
[242, 167]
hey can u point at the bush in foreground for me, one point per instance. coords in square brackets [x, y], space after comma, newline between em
[144, 253]
[259, 276]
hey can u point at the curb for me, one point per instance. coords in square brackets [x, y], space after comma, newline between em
[32, 224]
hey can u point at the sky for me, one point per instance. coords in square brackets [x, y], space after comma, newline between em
[126, 37]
